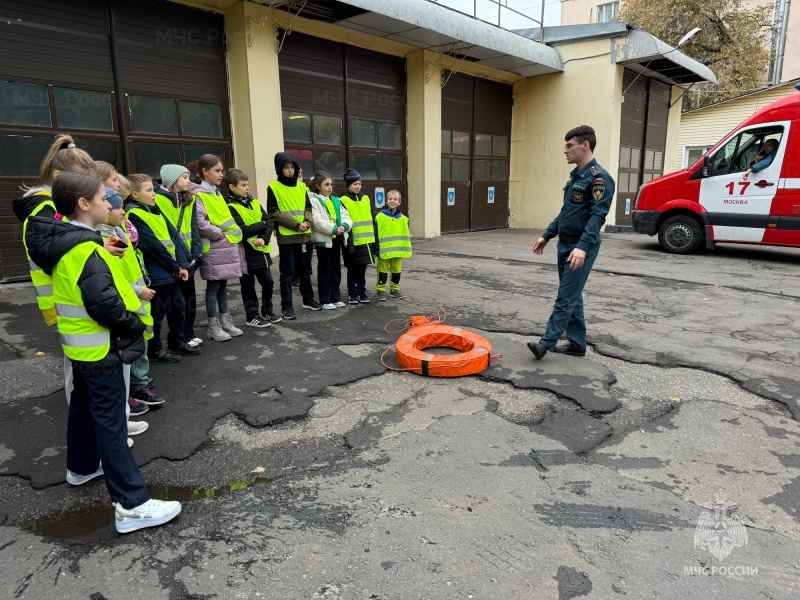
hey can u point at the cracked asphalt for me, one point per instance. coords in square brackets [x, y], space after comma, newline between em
[308, 470]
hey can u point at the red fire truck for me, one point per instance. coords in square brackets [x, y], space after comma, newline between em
[713, 202]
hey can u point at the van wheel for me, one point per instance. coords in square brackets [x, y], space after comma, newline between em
[680, 235]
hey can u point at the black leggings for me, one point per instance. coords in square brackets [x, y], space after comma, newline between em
[216, 296]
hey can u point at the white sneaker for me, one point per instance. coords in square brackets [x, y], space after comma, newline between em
[130, 443]
[339, 304]
[137, 427]
[150, 514]
[75, 479]
[192, 344]
[329, 306]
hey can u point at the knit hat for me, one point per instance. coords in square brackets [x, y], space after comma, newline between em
[350, 177]
[113, 198]
[171, 173]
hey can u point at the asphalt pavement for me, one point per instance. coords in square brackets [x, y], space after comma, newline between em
[666, 463]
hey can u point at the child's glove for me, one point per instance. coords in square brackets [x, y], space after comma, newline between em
[50, 316]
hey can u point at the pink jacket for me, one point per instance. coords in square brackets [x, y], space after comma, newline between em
[223, 260]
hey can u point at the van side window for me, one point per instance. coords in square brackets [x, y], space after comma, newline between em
[739, 153]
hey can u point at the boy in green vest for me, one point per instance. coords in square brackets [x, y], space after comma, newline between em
[256, 228]
[359, 252]
[100, 322]
[290, 210]
[394, 244]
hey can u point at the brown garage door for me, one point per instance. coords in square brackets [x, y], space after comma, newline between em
[643, 138]
[476, 135]
[344, 107]
[137, 84]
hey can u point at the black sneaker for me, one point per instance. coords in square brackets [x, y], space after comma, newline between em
[539, 350]
[147, 397]
[137, 408]
[363, 298]
[258, 322]
[397, 294]
[185, 350]
[570, 348]
[288, 313]
[272, 317]
[312, 305]
[353, 300]
[163, 356]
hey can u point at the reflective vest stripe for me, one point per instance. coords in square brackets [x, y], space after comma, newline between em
[71, 311]
[44, 290]
[383, 250]
[186, 236]
[294, 213]
[395, 238]
[33, 266]
[85, 340]
[364, 234]
[361, 223]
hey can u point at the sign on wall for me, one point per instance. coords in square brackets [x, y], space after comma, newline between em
[491, 195]
[380, 198]
[451, 196]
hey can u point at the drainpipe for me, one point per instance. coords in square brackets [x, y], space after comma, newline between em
[780, 45]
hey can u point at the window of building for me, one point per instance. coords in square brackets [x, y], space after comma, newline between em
[607, 12]
[691, 154]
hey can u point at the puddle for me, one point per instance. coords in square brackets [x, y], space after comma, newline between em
[76, 523]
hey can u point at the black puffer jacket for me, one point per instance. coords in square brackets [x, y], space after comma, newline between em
[48, 241]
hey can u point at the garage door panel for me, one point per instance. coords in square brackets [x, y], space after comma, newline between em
[455, 218]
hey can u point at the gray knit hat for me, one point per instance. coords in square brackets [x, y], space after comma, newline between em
[171, 173]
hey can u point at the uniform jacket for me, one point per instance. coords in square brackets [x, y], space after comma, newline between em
[278, 218]
[223, 259]
[196, 251]
[255, 259]
[52, 239]
[587, 200]
[363, 254]
[161, 266]
[322, 228]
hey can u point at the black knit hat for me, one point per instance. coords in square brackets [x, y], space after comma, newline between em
[350, 177]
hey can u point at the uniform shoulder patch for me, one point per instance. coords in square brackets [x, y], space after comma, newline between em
[598, 191]
[595, 170]
[599, 181]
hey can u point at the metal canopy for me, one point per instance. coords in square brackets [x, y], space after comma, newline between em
[428, 25]
[635, 49]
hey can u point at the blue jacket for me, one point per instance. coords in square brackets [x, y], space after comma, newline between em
[587, 200]
[764, 162]
[161, 267]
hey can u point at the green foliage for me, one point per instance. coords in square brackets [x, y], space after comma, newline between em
[733, 43]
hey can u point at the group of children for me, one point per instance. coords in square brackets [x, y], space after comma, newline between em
[112, 256]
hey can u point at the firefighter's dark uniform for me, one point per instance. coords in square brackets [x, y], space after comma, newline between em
[587, 199]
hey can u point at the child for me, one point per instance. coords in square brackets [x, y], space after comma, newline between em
[256, 228]
[289, 208]
[139, 380]
[223, 256]
[100, 324]
[124, 187]
[359, 252]
[179, 207]
[106, 173]
[394, 244]
[62, 156]
[330, 224]
[165, 260]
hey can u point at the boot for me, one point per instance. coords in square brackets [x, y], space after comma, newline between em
[226, 322]
[215, 331]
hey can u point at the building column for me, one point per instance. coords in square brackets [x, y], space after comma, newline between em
[424, 118]
[255, 94]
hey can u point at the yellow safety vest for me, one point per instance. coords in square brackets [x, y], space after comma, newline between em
[82, 338]
[134, 274]
[251, 216]
[219, 215]
[393, 236]
[361, 213]
[292, 202]
[157, 224]
[42, 282]
[174, 215]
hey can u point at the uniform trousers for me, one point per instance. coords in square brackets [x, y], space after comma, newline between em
[567, 312]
